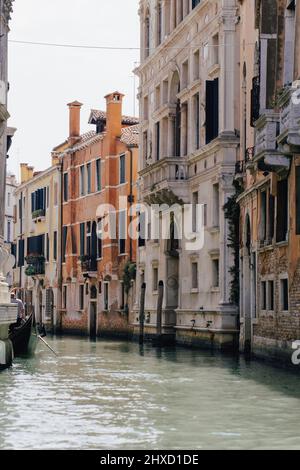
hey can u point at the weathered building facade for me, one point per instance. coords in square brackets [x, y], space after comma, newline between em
[36, 241]
[189, 113]
[99, 173]
[11, 185]
[8, 312]
[270, 174]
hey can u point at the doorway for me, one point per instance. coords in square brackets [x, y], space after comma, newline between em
[93, 313]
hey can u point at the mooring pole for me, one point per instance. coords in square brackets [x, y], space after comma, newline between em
[142, 313]
[159, 310]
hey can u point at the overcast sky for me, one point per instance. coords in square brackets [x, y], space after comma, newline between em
[44, 79]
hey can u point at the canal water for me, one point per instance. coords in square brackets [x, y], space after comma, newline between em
[115, 395]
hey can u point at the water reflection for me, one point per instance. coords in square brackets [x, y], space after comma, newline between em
[112, 394]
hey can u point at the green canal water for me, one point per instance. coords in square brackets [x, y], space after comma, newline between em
[115, 395]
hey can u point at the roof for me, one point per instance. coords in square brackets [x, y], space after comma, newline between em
[97, 115]
[130, 135]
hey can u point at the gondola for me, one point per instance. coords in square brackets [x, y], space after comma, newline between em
[24, 338]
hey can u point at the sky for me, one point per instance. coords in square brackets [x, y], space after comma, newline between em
[44, 79]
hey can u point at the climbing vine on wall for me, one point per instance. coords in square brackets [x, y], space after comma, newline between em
[129, 275]
[232, 214]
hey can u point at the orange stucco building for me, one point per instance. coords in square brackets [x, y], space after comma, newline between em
[98, 168]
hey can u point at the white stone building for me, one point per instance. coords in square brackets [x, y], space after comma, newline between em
[189, 114]
[11, 185]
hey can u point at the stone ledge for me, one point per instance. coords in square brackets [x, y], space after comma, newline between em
[8, 313]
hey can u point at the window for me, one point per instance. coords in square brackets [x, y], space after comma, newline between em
[216, 272]
[216, 205]
[282, 211]
[159, 23]
[195, 3]
[146, 108]
[21, 255]
[165, 87]
[263, 215]
[271, 295]
[65, 293]
[55, 194]
[185, 74]
[38, 200]
[263, 302]
[55, 245]
[82, 239]
[284, 295]
[204, 215]
[147, 36]
[66, 187]
[297, 200]
[106, 294]
[122, 169]
[215, 50]
[89, 178]
[98, 175]
[155, 279]
[157, 135]
[81, 297]
[212, 110]
[196, 65]
[194, 275]
[8, 199]
[8, 231]
[196, 102]
[82, 181]
[99, 235]
[48, 197]
[64, 240]
[195, 212]
[145, 145]
[122, 232]
[47, 247]
[157, 97]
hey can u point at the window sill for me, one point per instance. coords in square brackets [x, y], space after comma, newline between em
[195, 290]
[215, 290]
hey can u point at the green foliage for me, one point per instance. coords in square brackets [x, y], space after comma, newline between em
[232, 214]
[30, 271]
[129, 275]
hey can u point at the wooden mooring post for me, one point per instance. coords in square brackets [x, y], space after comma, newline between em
[142, 313]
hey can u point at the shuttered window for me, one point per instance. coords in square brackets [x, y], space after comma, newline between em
[212, 110]
[82, 239]
[21, 257]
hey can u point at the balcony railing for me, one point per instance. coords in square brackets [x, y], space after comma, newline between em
[38, 214]
[89, 264]
[290, 114]
[172, 169]
[267, 130]
[36, 265]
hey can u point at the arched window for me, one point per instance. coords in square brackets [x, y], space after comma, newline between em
[174, 90]
[159, 22]
[147, 34]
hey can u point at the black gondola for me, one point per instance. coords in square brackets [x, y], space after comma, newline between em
[24, 338]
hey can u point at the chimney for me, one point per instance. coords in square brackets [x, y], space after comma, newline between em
[114, 114]
[26, 172]
[74, 119]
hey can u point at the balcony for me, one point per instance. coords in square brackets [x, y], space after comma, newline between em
[36, 265]
[268, 156]
[38, 215]
[89, 264]
[289, 103]
[167, 171]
